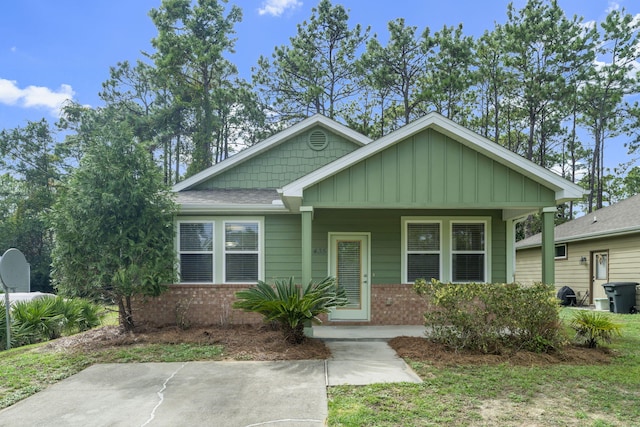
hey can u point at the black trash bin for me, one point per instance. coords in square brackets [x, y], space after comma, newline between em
[622, 297]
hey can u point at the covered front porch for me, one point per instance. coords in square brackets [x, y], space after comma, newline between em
[376, 255]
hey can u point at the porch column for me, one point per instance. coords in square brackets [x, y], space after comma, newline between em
[511, 251]
[548, 246]
[307, 218]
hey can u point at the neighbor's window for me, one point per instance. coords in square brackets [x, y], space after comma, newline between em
[241, 250]
[561, 252]
[195, 248]
[601, 265]
[468, 252]
[423, 250]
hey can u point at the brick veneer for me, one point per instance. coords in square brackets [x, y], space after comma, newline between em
[204, 305]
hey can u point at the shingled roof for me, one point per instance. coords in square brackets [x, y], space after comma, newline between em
[618, 219]
[233, 200]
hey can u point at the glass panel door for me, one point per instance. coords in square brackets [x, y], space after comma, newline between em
[600, 273]
[349, 271]
[349, 264]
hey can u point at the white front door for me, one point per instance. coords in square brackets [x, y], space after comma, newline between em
[600, 273]
[349, 264]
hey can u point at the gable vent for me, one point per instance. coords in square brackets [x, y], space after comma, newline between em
[318, 140]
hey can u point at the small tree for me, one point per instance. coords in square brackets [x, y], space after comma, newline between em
[113, 222]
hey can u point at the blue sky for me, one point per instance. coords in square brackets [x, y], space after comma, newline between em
[51, 51]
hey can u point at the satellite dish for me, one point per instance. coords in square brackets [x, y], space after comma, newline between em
[15, 271]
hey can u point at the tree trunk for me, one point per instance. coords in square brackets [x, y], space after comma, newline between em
[294, 335]
[126, 316]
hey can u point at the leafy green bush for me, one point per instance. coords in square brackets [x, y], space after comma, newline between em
[592, 326]
[42, 318]
[19, 333]
[48, 318]
[491, 317]
[80, 315]
[292, 305]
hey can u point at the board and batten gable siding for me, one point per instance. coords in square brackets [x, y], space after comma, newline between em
[624, 263]
[281, 164]
[429, 169]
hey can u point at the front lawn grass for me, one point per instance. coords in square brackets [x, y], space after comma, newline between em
[27, 370]
[505, 395]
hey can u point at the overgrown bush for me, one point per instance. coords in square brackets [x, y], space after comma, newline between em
[19, 334]
[491, 317]
[592, 327]
[292, 305]
[48, 318]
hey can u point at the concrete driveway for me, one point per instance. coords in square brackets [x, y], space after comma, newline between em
[290, 393]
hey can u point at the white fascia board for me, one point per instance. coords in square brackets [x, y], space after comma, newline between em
[600, 235]
[564, 190]
[276, 139]
[194, 208]
[590, 236]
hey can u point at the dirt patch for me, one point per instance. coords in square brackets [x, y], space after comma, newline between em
[422, 349]
[246, 342]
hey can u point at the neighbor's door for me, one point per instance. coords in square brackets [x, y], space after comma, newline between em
[349, 264]
[599, 273]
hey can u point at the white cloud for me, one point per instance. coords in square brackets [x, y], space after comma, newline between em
[35, 96]
[278, 7]
[9, 92]
[613, 6]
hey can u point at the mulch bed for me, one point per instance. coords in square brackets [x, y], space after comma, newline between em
[422, 349]
[259, 342]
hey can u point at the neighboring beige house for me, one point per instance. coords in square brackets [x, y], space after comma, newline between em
[601, 247]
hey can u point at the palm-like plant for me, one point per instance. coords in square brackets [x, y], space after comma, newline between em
[591, 327]
[292, 305]
[42, 318]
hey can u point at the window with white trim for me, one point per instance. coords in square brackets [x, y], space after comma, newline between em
[450, 249]
[423, 250]
[468, 252]
[241, 250]
[221, 250]
[195, 248]
[561, 251]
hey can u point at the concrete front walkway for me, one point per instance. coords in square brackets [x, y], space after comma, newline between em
[216, 393]
[360, 355]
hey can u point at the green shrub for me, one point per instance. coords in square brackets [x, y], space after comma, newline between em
[19, 335]
[592, 326]
[81, 315]
[491, 317]
[48, 318]
[42, 318]
[292, 305]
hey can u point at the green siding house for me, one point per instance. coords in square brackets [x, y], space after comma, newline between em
[432, 199]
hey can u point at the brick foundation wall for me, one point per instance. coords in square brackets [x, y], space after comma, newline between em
[205, 305]
[391, 305]
[193, 305]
